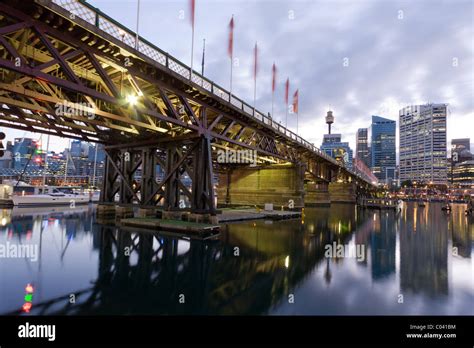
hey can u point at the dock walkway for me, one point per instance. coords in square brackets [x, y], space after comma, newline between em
[241, 214]
[378, 203]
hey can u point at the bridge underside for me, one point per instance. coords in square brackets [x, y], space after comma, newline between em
[162, 127]
[280, 185]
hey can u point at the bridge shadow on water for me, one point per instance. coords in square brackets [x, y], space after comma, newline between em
[252, 269]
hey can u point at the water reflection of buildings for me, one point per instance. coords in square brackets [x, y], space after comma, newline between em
[462, 232]
[424, 250]
[20, 221]
[377, 232]
[382, 246]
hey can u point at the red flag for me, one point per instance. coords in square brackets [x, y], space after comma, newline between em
[287, 90]
[231, 38]
[192, 5]
[274, 71]
[255, 61]
[295, 102]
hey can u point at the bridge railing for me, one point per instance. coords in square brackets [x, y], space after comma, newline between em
[92, 15]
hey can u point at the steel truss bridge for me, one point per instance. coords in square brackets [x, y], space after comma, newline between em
[69, 70]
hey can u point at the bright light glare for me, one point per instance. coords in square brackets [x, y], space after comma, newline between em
[132, 99]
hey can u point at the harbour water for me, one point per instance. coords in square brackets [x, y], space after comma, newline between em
[417, 261]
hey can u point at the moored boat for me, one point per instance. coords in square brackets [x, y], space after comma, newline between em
[22, 194]
[53, 198]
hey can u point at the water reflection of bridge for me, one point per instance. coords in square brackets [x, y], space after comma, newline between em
[274, 259]
[157, 269]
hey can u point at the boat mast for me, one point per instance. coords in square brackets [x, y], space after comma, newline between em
[67, 160]
[95, 164]
[45, 169]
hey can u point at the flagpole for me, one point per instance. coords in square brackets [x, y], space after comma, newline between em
[203, 55]
[296, 108]
[192, 54]
[255, 92]
[273, 85]
[231, 48]
[192, 39]
[287, 94]
[230, 91]
[297, 116]
[138, 21]
[273, 98]
[255, 79]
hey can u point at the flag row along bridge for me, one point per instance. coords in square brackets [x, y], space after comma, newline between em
[69, 70]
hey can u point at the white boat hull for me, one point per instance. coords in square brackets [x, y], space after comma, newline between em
[49, 200]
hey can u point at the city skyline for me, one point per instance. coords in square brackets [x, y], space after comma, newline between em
[395, 80]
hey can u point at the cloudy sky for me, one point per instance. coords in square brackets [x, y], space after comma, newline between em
[357, 57]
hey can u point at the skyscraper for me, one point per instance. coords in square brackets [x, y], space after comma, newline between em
[382, 148]
[24, 154]
[423, 143]
[362, 146]
[460, 149]
[461, 163]
[79, 148]
[334, 147]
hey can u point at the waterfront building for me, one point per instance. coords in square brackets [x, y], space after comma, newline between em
[100, 153]
[362, 146]
[6, 160]
[463, 174]
[79, 149]
[423, 154]
[23, 149]
[81, 158]
[460, 150]
[99, 157]
[461, 164]
[382, 149]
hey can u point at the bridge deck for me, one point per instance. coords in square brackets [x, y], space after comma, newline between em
[75, 56]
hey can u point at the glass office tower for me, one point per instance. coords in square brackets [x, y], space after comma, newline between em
[423, 152]
[382, 148]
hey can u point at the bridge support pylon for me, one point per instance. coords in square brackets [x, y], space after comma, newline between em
[175, 177]
[317, 194]
[343, 192]
[280, 185]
